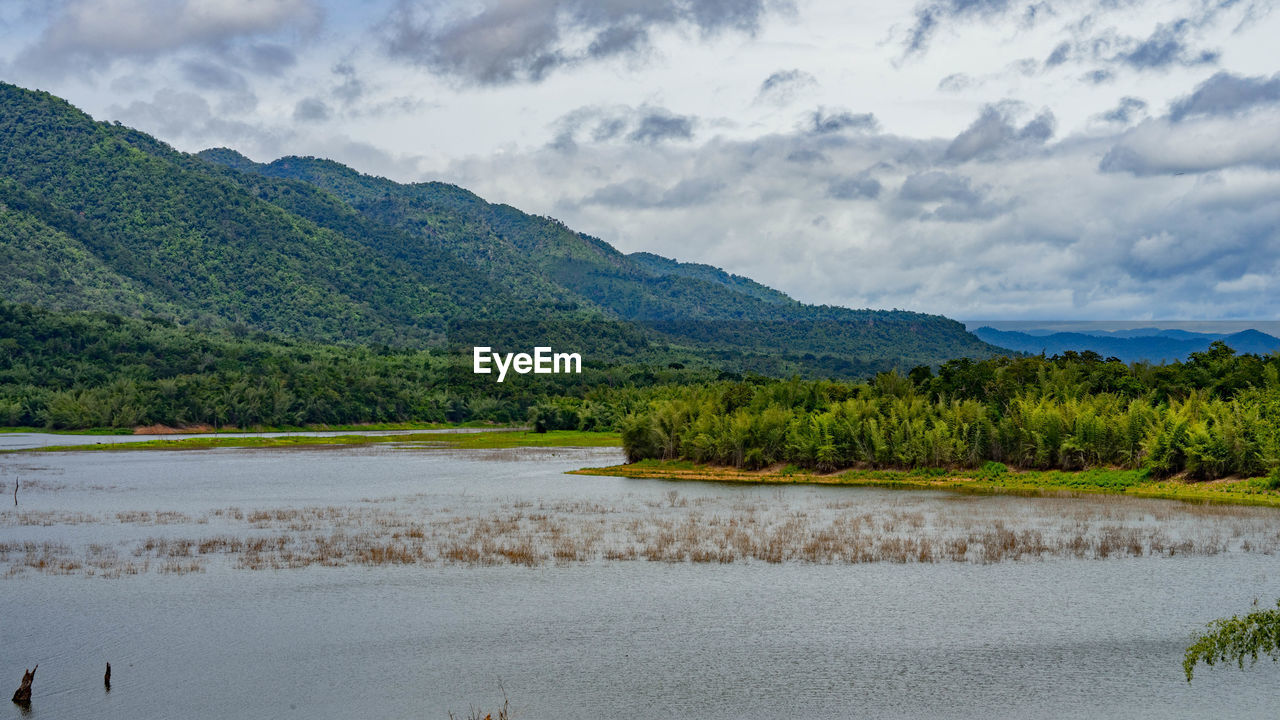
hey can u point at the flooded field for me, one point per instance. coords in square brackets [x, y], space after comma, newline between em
[408, 582]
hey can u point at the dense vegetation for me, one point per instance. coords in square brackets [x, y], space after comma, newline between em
[1216, 415]
[85, 370]
[96, 216]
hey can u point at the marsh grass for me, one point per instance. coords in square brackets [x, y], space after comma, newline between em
[671, 528]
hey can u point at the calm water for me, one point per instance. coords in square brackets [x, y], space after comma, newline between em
[594, 637]
[23, 441]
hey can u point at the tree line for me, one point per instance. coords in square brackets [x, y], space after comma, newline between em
[1218, 414]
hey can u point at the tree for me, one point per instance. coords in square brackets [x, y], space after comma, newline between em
[1236, 638]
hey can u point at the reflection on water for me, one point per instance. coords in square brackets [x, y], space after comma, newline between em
[394, 582]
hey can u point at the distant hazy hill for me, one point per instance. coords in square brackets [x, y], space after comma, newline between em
[98, 216]
[1129, 345]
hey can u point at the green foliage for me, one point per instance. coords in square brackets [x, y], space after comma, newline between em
[96, 216]
[1235, 639]
[83, 370]
[1064, 413]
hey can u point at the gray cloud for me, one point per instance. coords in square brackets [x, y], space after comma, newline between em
[1098, 77]
[268, 58]
[937, 185]
[350, 88]
[1126, 111]
[782, 87]
[644, 125]
[956, 82]
[640, 194]
[994, 131]
[1225, 94]
[807, 156]
[1162, 147]
[1166, 46]
[1059, 55]
[854, 188]
[174, 114]
[210, 76]
[659, 125]
[826, 122]
[929, 16]
[506, 41]
[92, 33]
[944, 196]
[311, 110]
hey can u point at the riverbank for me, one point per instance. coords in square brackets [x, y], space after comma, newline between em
[487, 439]
[994, 479]
[211, 430]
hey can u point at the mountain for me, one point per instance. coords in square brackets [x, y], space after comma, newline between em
[1166, 346]
[97, 216]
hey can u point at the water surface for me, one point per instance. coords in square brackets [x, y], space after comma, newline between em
[1057, 636]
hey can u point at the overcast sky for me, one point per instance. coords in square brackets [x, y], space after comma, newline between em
[975, 158]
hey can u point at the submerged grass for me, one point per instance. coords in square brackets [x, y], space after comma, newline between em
[668, 529]
[463, 441]
[993, 478]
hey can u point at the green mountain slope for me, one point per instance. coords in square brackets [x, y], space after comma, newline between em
[98, 216]
[686, 304]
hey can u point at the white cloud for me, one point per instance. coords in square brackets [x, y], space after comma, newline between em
[984, 175]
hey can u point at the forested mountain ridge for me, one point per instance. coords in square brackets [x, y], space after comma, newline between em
[1152, 346]
[97, 216]
[687, 303]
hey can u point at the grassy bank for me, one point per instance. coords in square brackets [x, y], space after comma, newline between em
[994, 478]
[86, 431]
[483, 440]
[206, 429]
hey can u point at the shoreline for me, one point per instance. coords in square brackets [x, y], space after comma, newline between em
[495, 438]
[1034, 483]
[228, 429]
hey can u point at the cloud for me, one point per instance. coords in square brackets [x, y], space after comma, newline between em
[659, 125]
[995, 131]
[351, 88]
[210, 76]
[1059, 55]
[311, 110]
[825, 122]
[1098, 77]
[506, 41]
[174, 114]
[646, 125]
[854, 188]
[782, 87]
[930, 16]
[1007, 219]
[92, 33]
[1165, 47]
[1128, 110]
[639, 194]
[1161, 147]
[267, 58]
[956, 82]
[1227, 95]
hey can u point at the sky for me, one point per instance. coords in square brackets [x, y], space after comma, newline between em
[981, 159]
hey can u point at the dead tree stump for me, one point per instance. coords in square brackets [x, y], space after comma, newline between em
[23, 694]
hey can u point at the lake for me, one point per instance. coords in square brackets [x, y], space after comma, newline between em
[411, 581]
